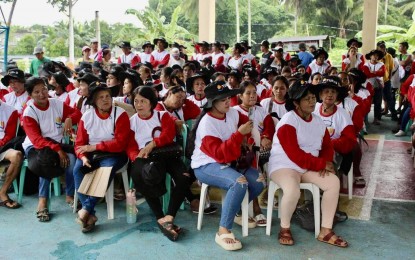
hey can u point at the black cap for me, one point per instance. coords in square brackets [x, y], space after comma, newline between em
[13, 74]
[125, 45]
[88, 78]
[218, 90]
[265, 43]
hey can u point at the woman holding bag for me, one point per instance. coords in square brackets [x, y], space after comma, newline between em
[45, 121]
[104, 130]
[218, 136]
[152, 129]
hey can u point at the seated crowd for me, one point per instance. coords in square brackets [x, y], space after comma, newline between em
[305, 113]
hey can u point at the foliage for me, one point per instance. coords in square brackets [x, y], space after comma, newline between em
[63, 5]
[155, 25]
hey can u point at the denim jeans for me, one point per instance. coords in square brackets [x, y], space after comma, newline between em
[89, 202]
[69, 178]
[377, 103]
[405, 118]
[225, 177]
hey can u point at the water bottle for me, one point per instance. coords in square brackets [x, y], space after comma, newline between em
[131, 207]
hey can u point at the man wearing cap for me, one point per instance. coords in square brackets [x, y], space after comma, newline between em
[161, 55]
[387, 89]
[86, 52]
[175, 58]
[305, 57]
[94, 49]
[146, 55]
[38, 61]
[19, 96]
[127, 56]
[266, 56]
[285, 55]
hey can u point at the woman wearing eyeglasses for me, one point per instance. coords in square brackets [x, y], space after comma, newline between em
[303, 152]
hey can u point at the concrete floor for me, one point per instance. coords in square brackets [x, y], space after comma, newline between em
[381, 225]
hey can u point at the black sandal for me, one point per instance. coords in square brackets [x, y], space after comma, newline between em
[168, 229]
[43, 215]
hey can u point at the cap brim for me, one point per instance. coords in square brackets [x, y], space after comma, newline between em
[230, 93]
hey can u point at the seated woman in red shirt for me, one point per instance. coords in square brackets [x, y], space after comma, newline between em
[103, 128]
[303, 152]
[151, 129]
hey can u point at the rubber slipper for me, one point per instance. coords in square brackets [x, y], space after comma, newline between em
[219, 239]
[251, 221]
[260, 220]
[359, 182]
[167, 228]
[338, 242]
[11, 202]
[43, 215]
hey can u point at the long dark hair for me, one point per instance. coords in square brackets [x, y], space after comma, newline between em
[192, 136]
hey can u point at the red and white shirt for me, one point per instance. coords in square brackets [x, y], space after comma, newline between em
[259, 116]
[277, 107]
[8, 122]
[189, 110]
[40, 123]
[300, 145]
[374, 73]
[109, 134]
[159, 127]
[218, 58]
[236, 63]
[314, 67]
[18, 102]
[160, 58]
[218, 139]
[340, 127]
[360, 60]
[62, 97]
[146, 57]
[199, 102]
[131, 59]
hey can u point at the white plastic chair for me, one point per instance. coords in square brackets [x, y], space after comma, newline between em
[244, 207]
[109, 195]
[273, 187]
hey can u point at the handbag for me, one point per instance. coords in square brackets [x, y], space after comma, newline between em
[45, 163]
[245, 159]
[170, 151]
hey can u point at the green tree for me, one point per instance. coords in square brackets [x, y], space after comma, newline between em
[345, 13]
[407, 6]
[155, 25]
[24, 45]
[66, 7]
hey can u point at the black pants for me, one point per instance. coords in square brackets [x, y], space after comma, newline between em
[377, 103]
[390, 100]
[177, 170]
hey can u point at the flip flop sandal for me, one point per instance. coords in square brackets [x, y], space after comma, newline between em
[10, 202]
[43, 215]
[88, 228]
[338, 242]
[219, 239]
[359, 182]
[260, 220]
[286, 235]
[251, 221]
[167, 228]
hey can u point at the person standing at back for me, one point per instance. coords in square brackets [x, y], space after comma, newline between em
[38, 61]
[305, 57]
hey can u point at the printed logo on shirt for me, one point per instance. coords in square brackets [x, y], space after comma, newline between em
[2, 125]
[58, 122]
[331, 131]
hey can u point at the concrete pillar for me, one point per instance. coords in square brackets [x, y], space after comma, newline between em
[370, 22]
[207, 19]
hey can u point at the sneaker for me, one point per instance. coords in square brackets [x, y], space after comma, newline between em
[400, 133]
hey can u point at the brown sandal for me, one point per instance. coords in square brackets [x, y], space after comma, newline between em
[340, 242]
[285, 235]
